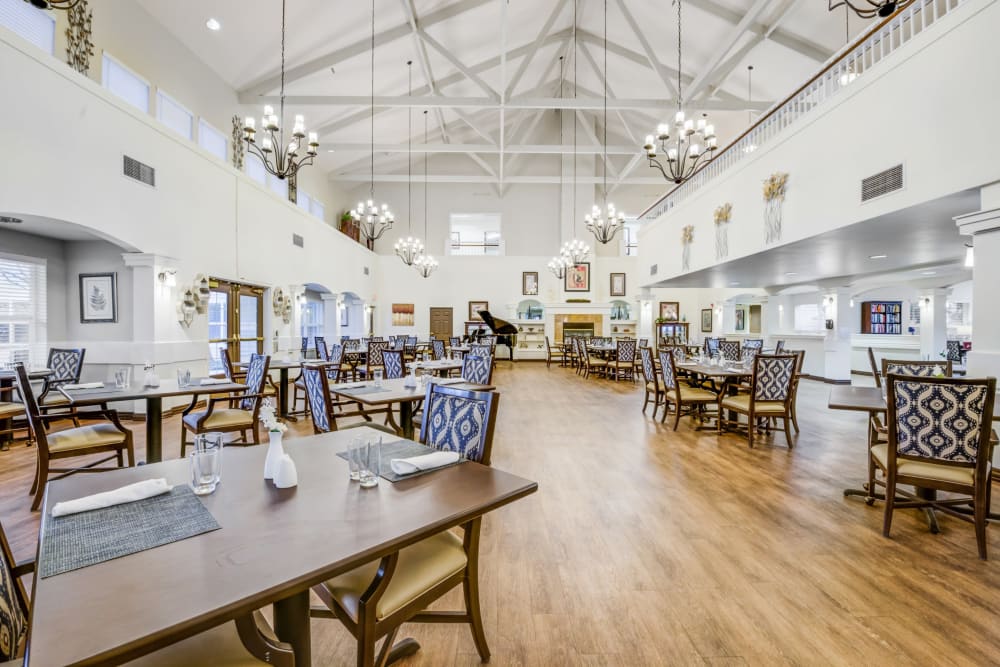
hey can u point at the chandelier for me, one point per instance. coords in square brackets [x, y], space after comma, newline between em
[280, 160]
[605, 224]
[684, 155]
[425, 264]
[54, 4]
[849, 74]
[574, 252]
[558, 266]
[409, 249]
[869, 9]
[750, 145]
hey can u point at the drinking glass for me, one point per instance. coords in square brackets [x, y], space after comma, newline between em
[123, 377]
[422, 376]
[206, 468]
[183, 377]
[378, 377]
[370, 463]
[354, 449]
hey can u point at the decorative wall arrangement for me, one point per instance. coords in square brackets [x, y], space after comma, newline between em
[79, 48]
[194, 300]
[722, 217]
[687, 238]
[774, 197]
[281, 304]
[239, 153]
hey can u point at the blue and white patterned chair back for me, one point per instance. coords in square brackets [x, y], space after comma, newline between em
[393, 362]
[13, 606]
[920, 369]
[65, 365]
[345, 338]
[304, 347]
[375, 350]
[779, 347]
[772, 378]
[648, 367]
[730, 349]
[454, 341]
[458, 420]
[318, 393]
[954, 351]
[749, 353]
[481, 350]
[711, 345]
[336, 354]
[940, 419]
[679, 352]
[437, 349]
[581, 349]
[411, 341]
[256, 374]
[667, 371]
[626, 351]
[643, 342]
[477, 369]
[399, 344]
[352, 345]
[319, 344]
[755, 343]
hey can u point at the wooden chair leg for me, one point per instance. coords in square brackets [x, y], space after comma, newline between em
[471, 589]
[131, 451]
[43, 475]
[890, 501]
[751, 427]
[677, 416]
[34, 482]
[645, 402]
[788, 434]
[184, 443]
[981, 510]
[795, 419]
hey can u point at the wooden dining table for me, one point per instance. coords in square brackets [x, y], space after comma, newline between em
[442, 367]
[273, 545]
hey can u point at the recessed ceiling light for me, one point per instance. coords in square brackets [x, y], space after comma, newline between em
[877, 256]
[213, 24]
[735, 284]
[928, 273]
[791, 273]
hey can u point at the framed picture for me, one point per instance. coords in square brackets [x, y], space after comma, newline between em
[578, 278]
[741, 320]
[529, 283]
[670, 311]
[706, 320]
[617, 284]
[98, 297]
[402, 314]
[475, 307]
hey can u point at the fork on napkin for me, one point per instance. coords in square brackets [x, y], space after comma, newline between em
[126, 494]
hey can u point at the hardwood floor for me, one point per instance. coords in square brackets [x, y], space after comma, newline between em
[648, 547]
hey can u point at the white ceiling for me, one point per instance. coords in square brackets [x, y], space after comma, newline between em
[785, 41]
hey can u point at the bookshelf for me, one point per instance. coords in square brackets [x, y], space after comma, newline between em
[882, 317]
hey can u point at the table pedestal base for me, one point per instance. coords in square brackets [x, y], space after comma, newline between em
[871, 497]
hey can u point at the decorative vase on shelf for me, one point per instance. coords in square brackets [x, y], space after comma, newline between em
[275, 452]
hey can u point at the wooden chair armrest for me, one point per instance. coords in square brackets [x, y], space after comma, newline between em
[23, 568]
[190, 407]
[260, 641]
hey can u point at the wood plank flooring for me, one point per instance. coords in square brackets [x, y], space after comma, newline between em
[648, 547]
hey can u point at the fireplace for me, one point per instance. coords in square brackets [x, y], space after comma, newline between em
[584, 329]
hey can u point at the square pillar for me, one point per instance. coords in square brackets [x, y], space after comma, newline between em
[984, 228]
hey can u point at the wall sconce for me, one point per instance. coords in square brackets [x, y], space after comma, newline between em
[926, 302]
[187, 308]
[201, 293]
[168, 277]
[851, 303]
[970, 257]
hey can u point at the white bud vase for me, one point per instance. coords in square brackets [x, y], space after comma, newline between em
[274, 454]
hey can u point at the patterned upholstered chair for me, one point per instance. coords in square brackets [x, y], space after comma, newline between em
[685, 399]
[730, 350]
[374, 359]
[939, 439]
[247, 641]
[920, 369]
[319, 345]
[643, 342]
[955, 353]
[454, 341]
[241, 419]
[392, 360]
[770, 395]
[107, 437]
[437, 349]
[711, 346]
[590, 364]
[753, 343]
[653, 390]
[553, 355]
[477, 369]
[66, 365]
[335, 360]
[481, 349]
[323, 407]
[623, 364]
[800, 360]
[374, 600]
[779, 346]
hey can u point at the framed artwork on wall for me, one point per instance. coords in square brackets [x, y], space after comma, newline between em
[402, 314]
[706, 320]
[529, 283]
[98, 297]
[670, 311]
[475, 307]
[617, 284]
[741, 319]
[578, 278]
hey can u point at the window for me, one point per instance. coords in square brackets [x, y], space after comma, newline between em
[278, 186]
[125, 83]
[23, 312]
[310, 204]
[212, 140]
[312, 319]
[173, 115]
[34, 25]
[316, 208]
[255, 169]
[303, 200]
[475, 234]
[235, 323]
[630, 240]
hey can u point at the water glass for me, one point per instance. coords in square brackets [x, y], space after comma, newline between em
[206, 468]
[354, 451]
[422, 375]
[183, 377]
[123, 378]
[378, 377]
[370, 463]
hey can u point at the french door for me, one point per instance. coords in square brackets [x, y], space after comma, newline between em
[235, 322]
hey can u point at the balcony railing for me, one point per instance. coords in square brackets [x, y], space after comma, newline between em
[839, 72]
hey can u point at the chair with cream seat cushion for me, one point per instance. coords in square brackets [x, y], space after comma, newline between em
[588, 363]
[107, 437]
[373, 360]
[9, 411]
[685, 399]
[770, 397]
[652, 386]
[939, 439]
[66, 366]
[557, 354]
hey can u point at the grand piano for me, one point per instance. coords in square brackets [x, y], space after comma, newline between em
[505, 332]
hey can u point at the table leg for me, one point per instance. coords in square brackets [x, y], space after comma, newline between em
[406, 418]
[291, 624]
[154, 429]
[443, 373]
[929, 494]
[283, 393]
[5, 436]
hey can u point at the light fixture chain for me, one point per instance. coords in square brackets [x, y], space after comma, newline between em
[373, 104]
[409, 149]
[605, 102]
[680, 97]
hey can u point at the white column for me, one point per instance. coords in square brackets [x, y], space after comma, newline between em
[933, 329]
[984, 228]
[331, 317]
[837, 344]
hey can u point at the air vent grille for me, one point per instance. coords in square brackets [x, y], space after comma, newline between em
[297, 240]
[653, 268]
[882, 183]
[138, 171]
[366, 270]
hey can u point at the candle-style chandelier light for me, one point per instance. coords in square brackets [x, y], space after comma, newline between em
[425, 264]
[575, 251]
[54, 4]
[869, 9]
[410, 248]
[688, 146]
[280, 159]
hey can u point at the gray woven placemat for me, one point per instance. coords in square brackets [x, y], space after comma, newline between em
[88, 538]
[358, 391]
[402, 449]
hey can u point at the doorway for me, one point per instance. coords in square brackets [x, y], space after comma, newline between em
[235, 322]
[441, 323]
[755, 318]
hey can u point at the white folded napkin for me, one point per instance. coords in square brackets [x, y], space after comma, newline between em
[423, 462]
[126, 494]
[350, 385]
[84, 385]
[215, 381]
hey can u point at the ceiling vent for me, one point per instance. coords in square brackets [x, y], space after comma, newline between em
[297, 240]
[653, 268]
[882, 183]
[138, 171]
[366, 270]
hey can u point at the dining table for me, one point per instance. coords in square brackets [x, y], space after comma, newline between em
[282, 366]
[441, 367]
[272, 547]
[7, 379]
[153, 396]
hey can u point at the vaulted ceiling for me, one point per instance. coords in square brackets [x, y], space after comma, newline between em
[488, 71]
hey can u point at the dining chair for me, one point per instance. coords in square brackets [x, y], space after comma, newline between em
[335, 360]
[319, 345]
[66, 365]
[623, 364]
[955, 353]
[800, 361]
[753, 343]
[374, 360]
[13, 413]
[652, 386]
[108, 436]
[249, 640]
[685, 399]
[876, 369]
[374, 600]
[240, 419]
[779, 346]
[730, 349]
[454, 341]
[304, 348]
[477, 369]
[770, 396]
[437, 349]
[553, 355]
[712, 345]
[392, 360]
[481, 349]
[939, 440]
[323, 407]
[576, 342]
[590, 364]
[916, 368]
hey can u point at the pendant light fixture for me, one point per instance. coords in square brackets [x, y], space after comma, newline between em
[54, 4]
[604, 224]
[373, 219]
[751, 146]
[279, 159]
[425, 264]
[575, 251]
[559, 263]
[684, 155]
[409, 249]
[869, 9]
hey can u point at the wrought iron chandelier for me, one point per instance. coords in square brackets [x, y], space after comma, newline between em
[684, 155]
[604, 224]
[575, 251]
[54, 4]
[869, 9]
[558, 266]
[374, 220]
[409, 249]
[425, 264]
[279, 159]
[750, 146]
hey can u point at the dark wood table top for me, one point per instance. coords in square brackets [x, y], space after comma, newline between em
[273, 543]
[396, 392]
[713, 371]
[110, 394]
[438, 364]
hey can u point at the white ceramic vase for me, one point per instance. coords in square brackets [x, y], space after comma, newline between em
[274, 454]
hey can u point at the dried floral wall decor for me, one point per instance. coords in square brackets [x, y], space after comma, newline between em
[774, 197]
[79, 48]
[293, 188]
[722, 216]
[687, 238]
[238, 149]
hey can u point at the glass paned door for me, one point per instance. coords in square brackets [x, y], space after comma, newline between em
[218, 328]
[250, 314]
[235, 322]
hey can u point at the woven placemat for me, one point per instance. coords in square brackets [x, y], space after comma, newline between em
[402, 449]
[358, 391]
[88, 538]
